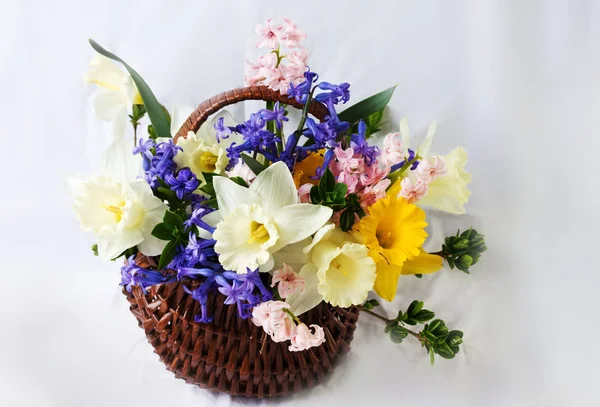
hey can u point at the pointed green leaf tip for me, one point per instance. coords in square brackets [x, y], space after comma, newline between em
[367, 107]
[155, 110]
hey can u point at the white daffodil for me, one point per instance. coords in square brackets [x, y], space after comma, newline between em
[202, 152]
[425, 146]
[116, 91]
[120, 214]
[260, 220]
[339, 271]
[118, 162]
[449, 193]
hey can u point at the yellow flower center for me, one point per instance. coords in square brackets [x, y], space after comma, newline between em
[116, 210]
[383, 237]
[206, 161]
[258, 233]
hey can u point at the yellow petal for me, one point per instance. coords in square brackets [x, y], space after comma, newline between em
[386, 282]
[424, 263]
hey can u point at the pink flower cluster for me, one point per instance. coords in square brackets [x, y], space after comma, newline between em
[368, 182]
[289, 281]
[269, 69]
[276, 322]
[415, 185]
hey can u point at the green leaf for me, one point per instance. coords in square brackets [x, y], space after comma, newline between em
[254, 165]
[347, 220]
[424, 316]
[168, 254]
[172, 220]
[315, 195]
[367, 107]
[208, 177]
[414, 307]
[209, 189]
[212, 202]
[161, 232]
[155, 111]
[341, 190]
[95, 249]
[167, 192]
[370, 304]
[397, 334]
[327, 183]
[418, 275]
[431, 356]
[239, 181]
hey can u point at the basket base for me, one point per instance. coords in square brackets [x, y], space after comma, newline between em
[225, 355]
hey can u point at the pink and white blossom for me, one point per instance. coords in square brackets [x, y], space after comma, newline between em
[431, 168]
[304, 193]
[412, 191]
[373, 174]
[292, 35]
[298, 57]
[305, 339]
[274, 320]
[270, 34]
[351, 180]
[253, 76]
[278, 78]
[393, 150]
[289, 281]
[243, 171]
[348, 161]
[373, 193]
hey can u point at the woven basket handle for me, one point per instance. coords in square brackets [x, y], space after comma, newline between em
[216, 103]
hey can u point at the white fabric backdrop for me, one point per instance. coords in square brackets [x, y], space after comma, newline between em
[515, 82]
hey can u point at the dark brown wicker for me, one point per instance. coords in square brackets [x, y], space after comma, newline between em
[225, 355]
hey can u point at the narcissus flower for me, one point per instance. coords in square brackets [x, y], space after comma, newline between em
[120, 214]
[260, 220]
[393, 230]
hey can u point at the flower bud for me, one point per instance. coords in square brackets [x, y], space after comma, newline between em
[460, 244]
[464, 262]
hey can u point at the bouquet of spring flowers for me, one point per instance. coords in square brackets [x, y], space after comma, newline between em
[272, 217]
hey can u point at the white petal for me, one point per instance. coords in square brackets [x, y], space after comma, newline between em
[405, 133]
[108, 104]
[299, 221]
[179, 114]
[300, 303]
[321, 234]
[230, 195]
[212, 219]
[292, 255]
[275, 187]
[118, 162]
[426, 144]
[268, 266]
[208, 133]
[112, 243]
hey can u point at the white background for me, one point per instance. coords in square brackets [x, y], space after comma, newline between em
[515, 82]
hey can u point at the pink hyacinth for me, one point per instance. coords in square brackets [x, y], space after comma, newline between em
[271, 34]
[289, 281]
[253, 74]
[292, 34]
[373, 174]
[278, 78]
[373, 193]
[348, 161]
[298, 57]
[304, 193]
[242, 170]
[393, 151]
[430, 168]
[351, 180]
[274, 320]
[412, 192]
[305, 339]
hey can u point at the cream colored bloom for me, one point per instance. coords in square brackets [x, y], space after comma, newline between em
[343, 269]
[260, 220]
[201, 151]
[116, 90]
[449, 193]
[120, 214]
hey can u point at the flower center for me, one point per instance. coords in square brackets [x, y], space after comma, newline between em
[116, 210]
[384, 238]
[258, 233]
[207, 161]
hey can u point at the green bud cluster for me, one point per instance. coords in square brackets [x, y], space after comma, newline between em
[463, 250]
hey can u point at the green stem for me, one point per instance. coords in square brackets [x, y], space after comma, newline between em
[135, 135]
[386, 320]
[291, 314]
[398, 173]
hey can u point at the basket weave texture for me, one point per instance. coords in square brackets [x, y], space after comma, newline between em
[232, 355]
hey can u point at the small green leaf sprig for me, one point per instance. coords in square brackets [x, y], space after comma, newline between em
[335, 195]
[434, 336]
[463, 250]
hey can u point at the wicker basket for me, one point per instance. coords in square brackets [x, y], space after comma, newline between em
[225, 355]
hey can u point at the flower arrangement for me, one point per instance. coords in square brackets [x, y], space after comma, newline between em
[276, 220]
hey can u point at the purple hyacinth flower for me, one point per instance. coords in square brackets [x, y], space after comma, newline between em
[184, 183]
[223, 131]
[277, 114]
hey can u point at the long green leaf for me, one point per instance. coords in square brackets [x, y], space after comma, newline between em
[155, 110]
[254, 165]
[367, 107]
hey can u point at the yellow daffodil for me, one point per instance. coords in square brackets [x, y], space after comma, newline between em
[393, 230]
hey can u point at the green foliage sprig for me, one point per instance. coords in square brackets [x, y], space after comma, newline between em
[463, 250]
[434, 336]
[173, 230]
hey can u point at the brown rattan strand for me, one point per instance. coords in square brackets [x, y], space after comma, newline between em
[218, 102]
[224, 355]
